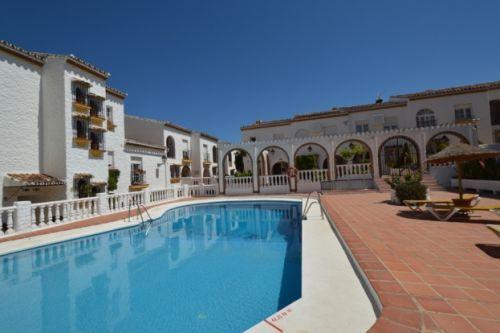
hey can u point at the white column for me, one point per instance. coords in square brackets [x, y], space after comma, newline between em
[22, 217]
[255, 176]
[375, 149]
[222, 170]
[102, 203]
[147, 197]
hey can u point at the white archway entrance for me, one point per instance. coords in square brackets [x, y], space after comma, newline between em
[312, 162]
[272, 166]
[237, 172]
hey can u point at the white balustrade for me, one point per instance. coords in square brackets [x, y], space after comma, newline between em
[7, 220]
[198, 180]
[55, 212]
[274, 184]
[122, 201]
[204, 190]
[312, 176]
[354, 171]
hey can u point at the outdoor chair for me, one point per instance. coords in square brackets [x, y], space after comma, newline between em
[418, 205]
[450, 210]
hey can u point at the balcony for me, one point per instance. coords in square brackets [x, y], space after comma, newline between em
[96, 153]
[186, 157]
[97, 120]
[110, 125]
[80, 108]
[175, 180]
[96, 147]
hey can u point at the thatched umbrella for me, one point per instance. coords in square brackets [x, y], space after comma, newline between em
[459, 153]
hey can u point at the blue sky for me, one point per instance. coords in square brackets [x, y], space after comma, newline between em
[216, 65]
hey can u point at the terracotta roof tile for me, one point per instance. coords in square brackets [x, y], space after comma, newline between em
[472, 88]
[33, 179]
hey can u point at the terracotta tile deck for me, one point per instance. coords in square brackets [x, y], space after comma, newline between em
[430, 276]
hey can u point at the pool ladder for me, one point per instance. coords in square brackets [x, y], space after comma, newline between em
[308, 204]
[139, 213]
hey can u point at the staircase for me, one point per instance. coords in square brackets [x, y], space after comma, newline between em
[427, 179]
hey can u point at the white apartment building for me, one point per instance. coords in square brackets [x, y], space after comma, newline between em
[393, 135]
[188, 156]
[62, 128]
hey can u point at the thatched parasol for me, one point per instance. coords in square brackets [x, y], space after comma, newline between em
[459, 153]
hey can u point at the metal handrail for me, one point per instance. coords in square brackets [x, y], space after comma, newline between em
[308, 204]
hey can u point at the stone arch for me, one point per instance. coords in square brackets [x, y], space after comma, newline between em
[361, 142]
[321, 147]
[432, 147]
[393, 158]
[223, 166]
[269, 148]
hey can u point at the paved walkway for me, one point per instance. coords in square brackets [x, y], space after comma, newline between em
[430, 276]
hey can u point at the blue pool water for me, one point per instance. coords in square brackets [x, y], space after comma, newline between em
[202, 268]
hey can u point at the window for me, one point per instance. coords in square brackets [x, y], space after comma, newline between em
[497, 136]
[109, 113]
[95, 107]
[390, 123]
[137, 173]
[96, 140]
[362, 126]
[206, 155]
[253, 139]
[80, 91]
[80, 128]
[463, 112]
[214, 154]
[495, 112]
[170, 147]
[426, 118]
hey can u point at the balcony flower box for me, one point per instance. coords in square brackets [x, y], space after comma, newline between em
[96, 120]
[96, 153]
[81, 108]
[111, 126]
[137, 187]
[81, 142]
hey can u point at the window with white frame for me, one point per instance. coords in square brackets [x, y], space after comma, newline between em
[362, 126]
[426, 118]
[109, 113]
[390, 123]
[463, 112]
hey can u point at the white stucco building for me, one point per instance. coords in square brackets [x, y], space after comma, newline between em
[361, 143]
[62, 128]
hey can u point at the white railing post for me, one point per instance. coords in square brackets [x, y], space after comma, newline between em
[102, 203]
[22, 217]
[147, 197]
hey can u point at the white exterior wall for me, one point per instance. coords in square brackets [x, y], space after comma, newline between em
[178, 136]
[151, 161]
[19, 116]
[115, 142]
[77, 159]
[213, 160]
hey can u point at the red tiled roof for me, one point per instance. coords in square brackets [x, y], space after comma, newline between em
[33, 179]
[472, 88]
[335, 112]
[116, 92]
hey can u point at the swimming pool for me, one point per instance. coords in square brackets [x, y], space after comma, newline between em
[219, 267]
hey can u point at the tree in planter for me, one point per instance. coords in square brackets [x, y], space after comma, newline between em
[352, 151]
[113, 175]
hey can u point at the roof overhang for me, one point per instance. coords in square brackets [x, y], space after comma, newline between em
[31, 180]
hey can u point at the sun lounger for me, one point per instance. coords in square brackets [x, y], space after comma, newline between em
[418, 205]
[436, 210]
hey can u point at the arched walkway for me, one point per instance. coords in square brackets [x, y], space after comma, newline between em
[442, 140]
[353, 160]
[398, 154]
[310, 162]
[272, 165]
[237, 172]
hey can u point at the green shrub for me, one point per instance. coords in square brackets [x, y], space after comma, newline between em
[306, 162]
[411, 190]
[474, 170]
[113, 175]
[243, 174]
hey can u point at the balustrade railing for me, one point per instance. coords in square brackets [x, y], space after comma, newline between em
[26, 216]
[353, 171]
[312, 176]
[238, 182]
[7, 215]
[274, 180]
[50, 213]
